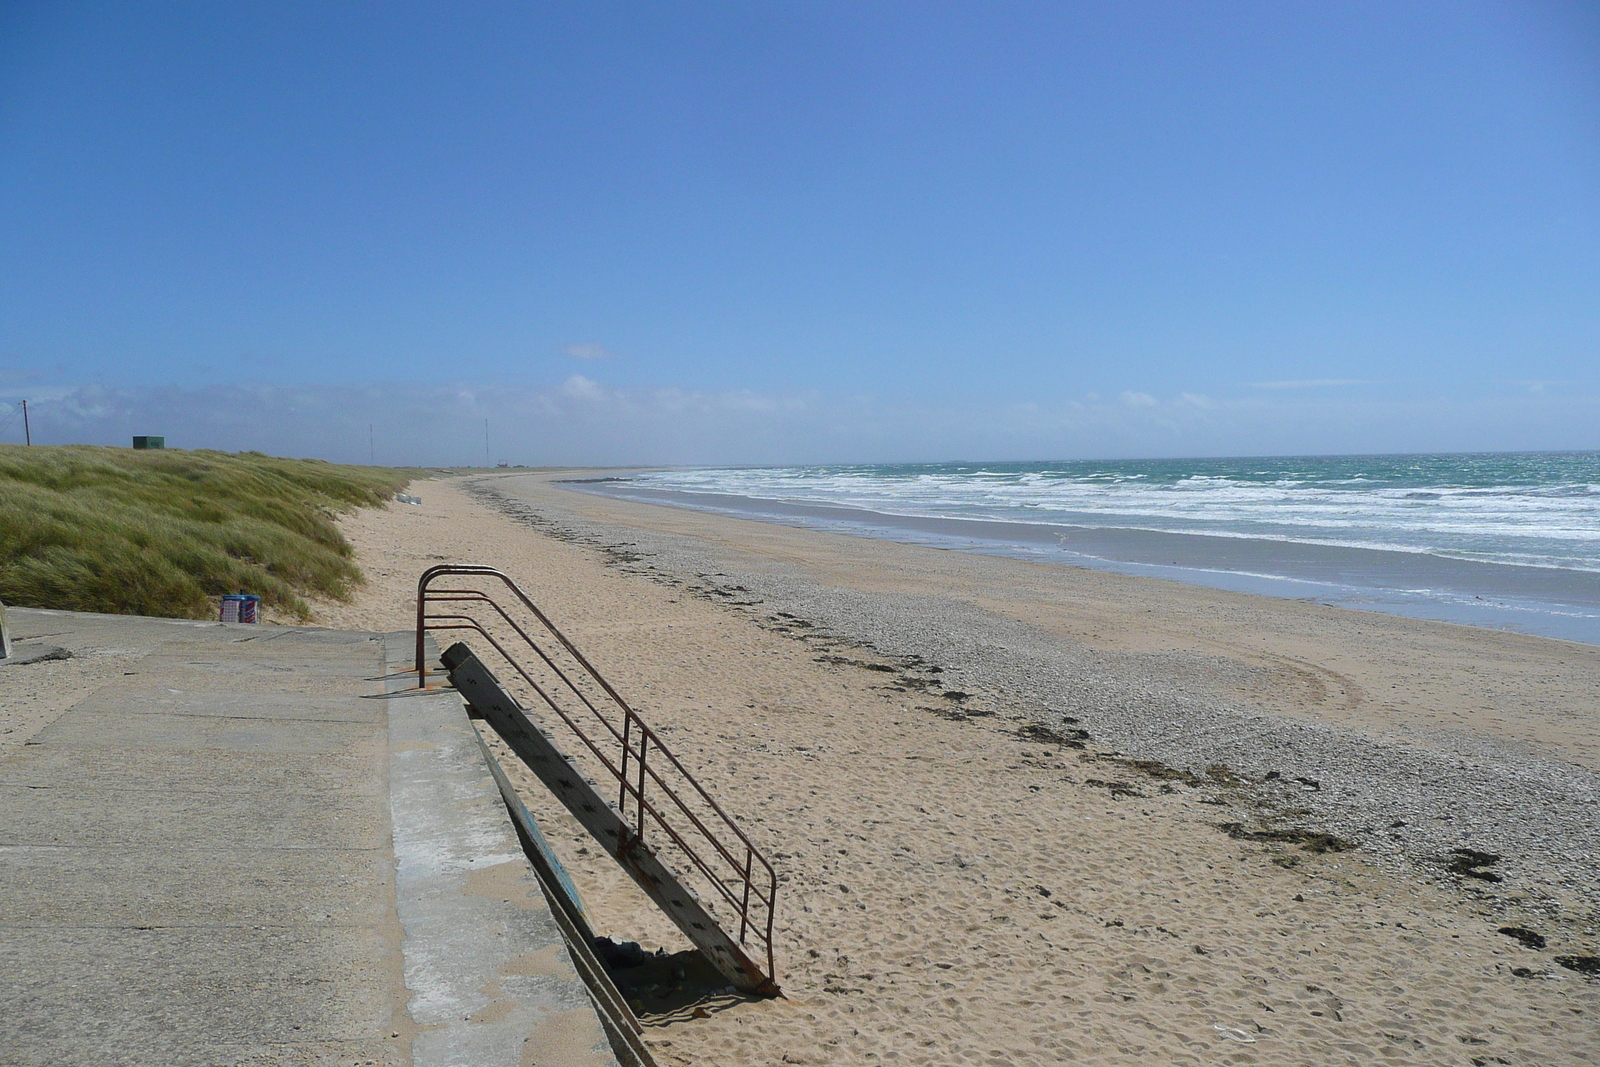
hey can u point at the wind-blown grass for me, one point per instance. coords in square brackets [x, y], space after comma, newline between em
[166, 532]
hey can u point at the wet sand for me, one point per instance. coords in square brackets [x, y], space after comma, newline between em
[977, 879]
[1546, 601]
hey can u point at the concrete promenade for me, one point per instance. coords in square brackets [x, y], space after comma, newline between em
[255, 846]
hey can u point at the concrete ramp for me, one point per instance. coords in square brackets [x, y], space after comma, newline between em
[259, 846]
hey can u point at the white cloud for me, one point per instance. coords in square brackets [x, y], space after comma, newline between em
[581, 421]
[580, 388]
[588, 352]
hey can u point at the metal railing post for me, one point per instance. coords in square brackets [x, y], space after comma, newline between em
[744, 905]
[644, 740]
[422, 595]
[622, 776]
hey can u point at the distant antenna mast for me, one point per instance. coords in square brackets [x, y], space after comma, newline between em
[27, 431]
[372, 444]
[487, 462]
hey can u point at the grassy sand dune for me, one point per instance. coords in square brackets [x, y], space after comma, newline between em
[84, 528]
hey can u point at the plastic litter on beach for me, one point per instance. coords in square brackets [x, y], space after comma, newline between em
[1232, 1032]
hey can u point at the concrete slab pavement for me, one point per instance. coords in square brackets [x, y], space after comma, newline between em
[253, 846]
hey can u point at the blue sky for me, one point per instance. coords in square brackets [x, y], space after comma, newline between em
[729, 233]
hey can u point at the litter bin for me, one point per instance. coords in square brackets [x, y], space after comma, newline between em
[241, 607]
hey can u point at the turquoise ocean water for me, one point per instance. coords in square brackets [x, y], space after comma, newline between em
[1509, 539]
[1536, 509]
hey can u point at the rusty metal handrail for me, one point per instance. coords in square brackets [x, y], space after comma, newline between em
[749, 885]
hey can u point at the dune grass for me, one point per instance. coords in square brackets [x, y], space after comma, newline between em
[166, 532]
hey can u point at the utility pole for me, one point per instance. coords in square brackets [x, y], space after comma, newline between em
[27, 430]
[372, 444]
[487, 462]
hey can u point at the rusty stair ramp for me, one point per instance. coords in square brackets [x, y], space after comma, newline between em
[663, 827]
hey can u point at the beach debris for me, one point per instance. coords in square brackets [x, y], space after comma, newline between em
[846, 661]
[1526, 936]
[1469, 862]
[1233, 1033]
[1311, 784]
[1308, 840]
[1585, 965]
[954, 714]
[1118, 790]
[1155, 769]
[1041, 734]
[407, 498]
[1222, 774]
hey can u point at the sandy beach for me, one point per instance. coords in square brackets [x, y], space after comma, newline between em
[962, 886]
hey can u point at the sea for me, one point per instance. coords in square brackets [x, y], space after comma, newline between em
[1502, 540]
